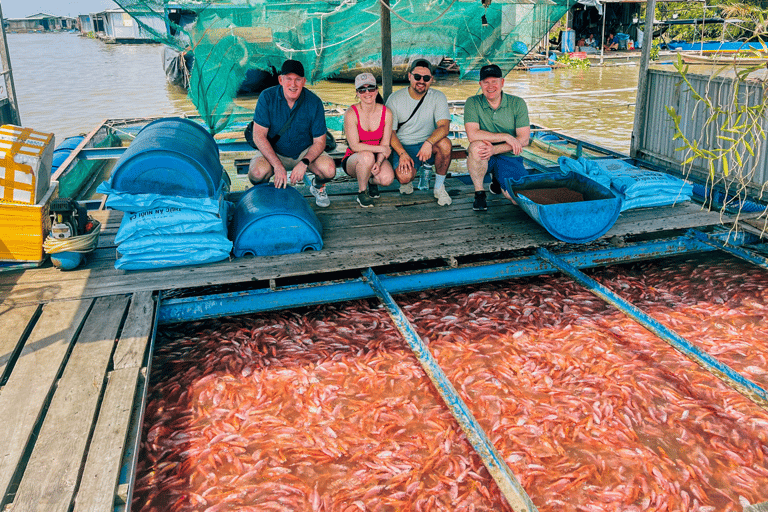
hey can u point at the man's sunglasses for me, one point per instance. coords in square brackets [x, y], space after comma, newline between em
[419, 77]
[369, 88]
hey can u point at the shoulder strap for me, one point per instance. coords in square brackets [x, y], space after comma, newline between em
[288, 121]
[414, 110]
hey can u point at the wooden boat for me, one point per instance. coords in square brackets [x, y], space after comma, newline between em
[724, 60]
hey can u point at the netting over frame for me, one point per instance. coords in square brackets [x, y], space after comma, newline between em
[229, 37]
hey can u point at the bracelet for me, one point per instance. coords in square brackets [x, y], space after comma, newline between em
[306, 161]
[430, 142]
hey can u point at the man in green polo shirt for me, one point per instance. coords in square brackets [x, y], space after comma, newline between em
[498, 128]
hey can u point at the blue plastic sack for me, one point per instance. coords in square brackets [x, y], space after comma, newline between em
[181, 243]
[637, 188]
[138, 202]
[172, 221]
[146, 261]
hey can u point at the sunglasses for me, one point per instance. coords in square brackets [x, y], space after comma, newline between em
[419, 77]
[369, 88]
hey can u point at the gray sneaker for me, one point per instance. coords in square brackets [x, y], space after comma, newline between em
[321, 196]
[364, 200]
[443, 199]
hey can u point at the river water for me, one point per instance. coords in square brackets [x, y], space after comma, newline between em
[67, 84]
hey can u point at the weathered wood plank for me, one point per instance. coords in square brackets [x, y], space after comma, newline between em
[102, 468]
[40, 361]
[52, 473]
[136, 331]
[13, 323]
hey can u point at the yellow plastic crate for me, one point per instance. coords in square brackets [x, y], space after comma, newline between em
[25, 164]
[23, 228]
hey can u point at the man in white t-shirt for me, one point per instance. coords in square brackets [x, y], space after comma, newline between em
[421, 121]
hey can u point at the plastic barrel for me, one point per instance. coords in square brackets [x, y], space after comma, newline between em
[173, 157]
[568, 41]
[63, 151]
[270, 221]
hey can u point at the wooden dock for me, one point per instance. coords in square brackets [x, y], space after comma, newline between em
[73, 347]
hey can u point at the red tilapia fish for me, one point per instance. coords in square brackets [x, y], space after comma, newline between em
[590, 410]
[718, 303]
[323, 409]
[326, 409]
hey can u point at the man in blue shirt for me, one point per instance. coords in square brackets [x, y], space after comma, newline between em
[289, 131]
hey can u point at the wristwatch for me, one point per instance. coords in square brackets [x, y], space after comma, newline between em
[305, 161]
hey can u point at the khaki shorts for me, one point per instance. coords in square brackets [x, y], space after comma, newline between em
[288, 162]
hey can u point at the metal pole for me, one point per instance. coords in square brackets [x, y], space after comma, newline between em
[386, 50]
[602, 37]
[8, 75]
[641, 101]
[508, 484]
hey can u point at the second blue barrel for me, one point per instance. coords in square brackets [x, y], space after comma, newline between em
[270, 221]
[171, 156]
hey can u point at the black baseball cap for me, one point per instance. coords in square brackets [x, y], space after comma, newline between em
[420, 63]
[292, 66]
[490, 70]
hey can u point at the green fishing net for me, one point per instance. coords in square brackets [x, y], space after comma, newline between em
[335, 39]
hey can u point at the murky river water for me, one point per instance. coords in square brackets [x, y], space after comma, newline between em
[66, 84]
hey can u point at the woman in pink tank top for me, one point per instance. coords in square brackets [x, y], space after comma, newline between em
[368, 127]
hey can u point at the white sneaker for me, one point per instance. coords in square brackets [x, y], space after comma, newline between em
[321, 196]
[443, 199]
[406, 188]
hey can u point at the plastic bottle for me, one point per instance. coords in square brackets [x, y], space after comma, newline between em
[426, 175]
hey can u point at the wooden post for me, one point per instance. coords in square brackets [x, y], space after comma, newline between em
[7, 73]
[641, 102]
[386, 50]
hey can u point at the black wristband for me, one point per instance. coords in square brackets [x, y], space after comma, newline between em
[305, 161]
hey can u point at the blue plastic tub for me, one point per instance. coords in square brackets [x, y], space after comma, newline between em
[173, 157]
[571, 207]
[270, 221]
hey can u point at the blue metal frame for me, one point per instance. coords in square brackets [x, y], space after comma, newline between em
[724, 245]
[254, 301]
[510, 487]
[717, 368]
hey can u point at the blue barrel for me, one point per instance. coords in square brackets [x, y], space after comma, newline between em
[582, 209]
[63, 151]
[172, 157]
[270, 221]
[568, 41]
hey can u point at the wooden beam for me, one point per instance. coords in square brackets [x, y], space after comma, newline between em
[98, 486]
[136, 332]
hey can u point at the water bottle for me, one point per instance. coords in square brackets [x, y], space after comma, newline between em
[426, 174]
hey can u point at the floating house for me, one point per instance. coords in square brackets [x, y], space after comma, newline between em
[41, 22]
[85, 24]
[117, 26]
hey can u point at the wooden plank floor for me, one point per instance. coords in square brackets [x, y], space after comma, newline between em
[398, 230]
[67, 405]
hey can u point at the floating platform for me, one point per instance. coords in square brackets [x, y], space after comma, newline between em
[75, 349]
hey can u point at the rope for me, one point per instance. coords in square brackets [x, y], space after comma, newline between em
[82, 243]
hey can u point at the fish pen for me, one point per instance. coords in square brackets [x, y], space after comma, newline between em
[542, 396]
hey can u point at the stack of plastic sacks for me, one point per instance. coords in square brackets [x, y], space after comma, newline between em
[637, 188]
[170, 186]
[164, 231]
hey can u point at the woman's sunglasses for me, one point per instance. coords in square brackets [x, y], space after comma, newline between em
[418, 77]
[369, 88]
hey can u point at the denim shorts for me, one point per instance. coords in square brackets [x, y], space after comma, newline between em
[412, 150]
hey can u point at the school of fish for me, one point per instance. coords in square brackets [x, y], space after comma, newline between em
[326, 408]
